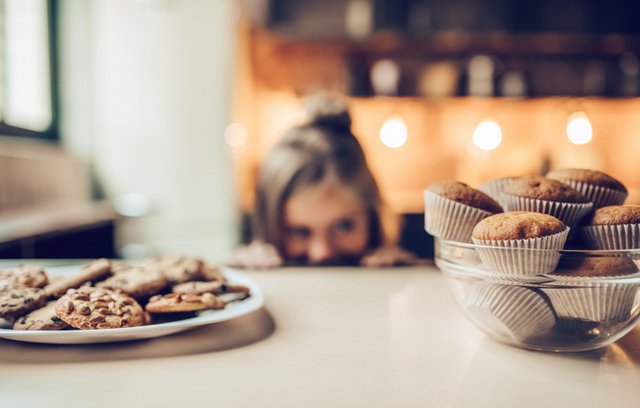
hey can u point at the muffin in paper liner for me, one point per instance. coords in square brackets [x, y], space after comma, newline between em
[598, 195]
[569, 213]
[494, 188]
[611, 237]
[450, 220]
[517, 313]
[598, 302]
[522, 257]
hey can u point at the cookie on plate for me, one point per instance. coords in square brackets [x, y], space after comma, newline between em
[213, 273]
[15, 302]
[119, 266]
[184, 302]
[215, 287]
[178, 268]
[44, 318]
[147, 318]
[136, 281]
[24, 276]
[90, 272]
[90, 308]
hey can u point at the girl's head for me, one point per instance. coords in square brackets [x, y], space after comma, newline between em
[316, 199]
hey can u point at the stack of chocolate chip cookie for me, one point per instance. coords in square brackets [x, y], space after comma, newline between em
[108, 294]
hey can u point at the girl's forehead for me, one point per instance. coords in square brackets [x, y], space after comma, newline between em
[329, 196]
[329, 188]
[321, 205]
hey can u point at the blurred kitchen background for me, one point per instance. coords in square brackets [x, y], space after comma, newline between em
[134, 127]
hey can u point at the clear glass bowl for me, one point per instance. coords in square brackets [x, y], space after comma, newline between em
[563, 310]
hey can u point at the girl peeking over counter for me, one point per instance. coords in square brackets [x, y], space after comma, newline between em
[317, 202]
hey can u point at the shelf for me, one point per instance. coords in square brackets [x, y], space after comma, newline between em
[462, 43]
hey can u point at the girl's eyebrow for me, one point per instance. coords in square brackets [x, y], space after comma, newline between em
[353, 214]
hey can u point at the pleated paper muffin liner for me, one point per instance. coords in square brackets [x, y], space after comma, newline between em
[522, 257]
[599, 196]
[621, 236]
[597, 302]
[569, 213]
[494, 189]
[514, 312]
[450, 220]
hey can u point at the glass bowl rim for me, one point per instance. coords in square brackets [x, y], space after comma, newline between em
[595, 252]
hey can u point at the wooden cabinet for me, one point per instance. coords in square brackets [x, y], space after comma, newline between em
[555, 47]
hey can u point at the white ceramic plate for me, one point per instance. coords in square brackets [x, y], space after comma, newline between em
[232, 311]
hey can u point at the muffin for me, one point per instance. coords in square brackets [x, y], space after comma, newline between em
[593, 267]
[587, 302]
[520, 242]
[543, 195]
[494, 188]
[613, 227]
[600, 188]
[453, 208]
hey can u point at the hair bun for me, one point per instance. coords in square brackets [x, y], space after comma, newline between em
[326, 109]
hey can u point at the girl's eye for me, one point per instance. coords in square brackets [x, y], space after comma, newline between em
[343, 226]
[298, 232]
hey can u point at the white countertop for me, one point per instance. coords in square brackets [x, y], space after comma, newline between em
[341, 337]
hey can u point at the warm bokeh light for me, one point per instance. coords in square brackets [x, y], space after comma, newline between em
[385, 76]
[394, 132]
[236, 135]
[359, 18]
[579, 130]
[480, 70]
[487, 135]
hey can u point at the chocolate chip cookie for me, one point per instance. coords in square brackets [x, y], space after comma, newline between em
[15, 302]
[90, 272]
[215, 287]
[90, 308]
[178, 268]
[24, 276]
[137, 281]
[44, 318]
[184, 302]
[213, 273]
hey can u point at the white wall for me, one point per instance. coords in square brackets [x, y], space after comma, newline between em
[146, 91]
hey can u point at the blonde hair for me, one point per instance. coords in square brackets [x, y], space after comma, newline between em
[309, 154]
